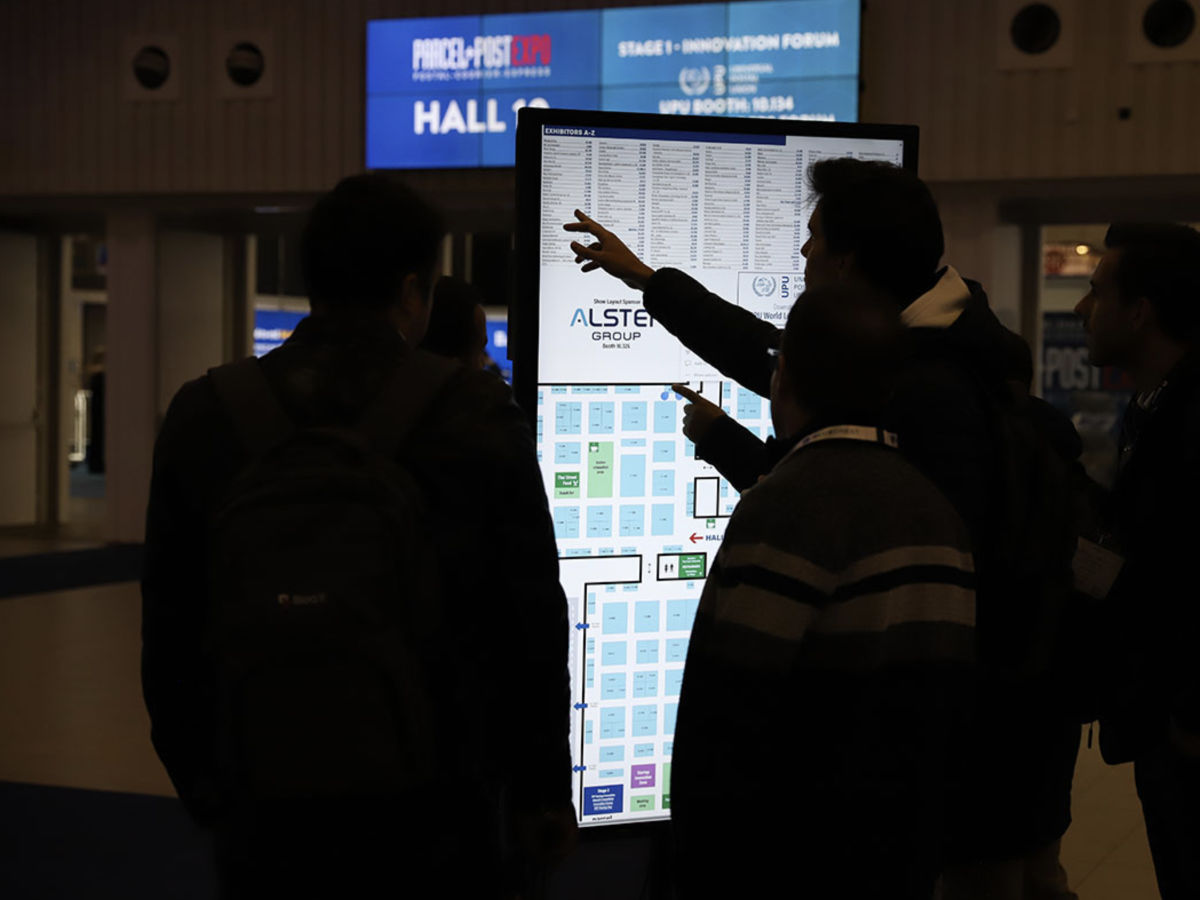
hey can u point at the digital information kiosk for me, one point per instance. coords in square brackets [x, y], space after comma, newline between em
[637, 517]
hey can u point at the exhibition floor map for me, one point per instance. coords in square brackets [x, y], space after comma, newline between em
[637, 517]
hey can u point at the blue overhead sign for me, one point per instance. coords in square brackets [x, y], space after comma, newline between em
[444, 92]
[272, 328]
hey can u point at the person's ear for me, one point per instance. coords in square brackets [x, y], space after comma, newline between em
[843, 264]
[413, 307]
[1142, 315]
[412, 291]
[780, 385]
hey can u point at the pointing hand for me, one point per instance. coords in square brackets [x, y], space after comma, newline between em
[698, 415]
[607, 252]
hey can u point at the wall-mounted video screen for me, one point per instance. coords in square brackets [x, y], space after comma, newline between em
[637, 517]
[272, 327]
[497, 340]
[445, 92]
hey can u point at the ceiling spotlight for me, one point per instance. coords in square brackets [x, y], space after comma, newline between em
[1082, 249]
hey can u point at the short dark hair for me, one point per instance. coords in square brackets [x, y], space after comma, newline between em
[452, 322]
[363, 238]
[1161, 262]
[842, 346]
[886, 217]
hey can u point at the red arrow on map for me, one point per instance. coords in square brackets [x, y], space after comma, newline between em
[695, 537]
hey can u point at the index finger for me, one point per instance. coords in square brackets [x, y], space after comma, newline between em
[686, 392]
[585, 224]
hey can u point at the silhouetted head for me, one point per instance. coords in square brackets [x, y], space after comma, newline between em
[874, 221]
[458, 324]
[1146, 289]
[841, 349]
[371, 246]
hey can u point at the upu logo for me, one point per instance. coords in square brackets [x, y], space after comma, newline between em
[763, 285]
[694, 81]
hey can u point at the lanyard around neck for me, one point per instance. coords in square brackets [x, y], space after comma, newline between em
[848, 433]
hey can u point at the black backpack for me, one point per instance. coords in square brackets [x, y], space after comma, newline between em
[323, 599]
[1024, 566]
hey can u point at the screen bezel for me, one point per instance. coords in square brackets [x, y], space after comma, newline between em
[524, 313]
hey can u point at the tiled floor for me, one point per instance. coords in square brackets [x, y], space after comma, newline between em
[15, 543]
[1105, 851]
[71, 714]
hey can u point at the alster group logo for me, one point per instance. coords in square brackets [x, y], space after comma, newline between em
[616, 327]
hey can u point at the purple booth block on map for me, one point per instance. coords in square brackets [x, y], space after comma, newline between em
[642, 776]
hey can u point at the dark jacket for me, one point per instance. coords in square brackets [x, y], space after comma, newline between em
[954, 375]
[1153, 610]
[473, 456]
[838, 643]
[936, 411]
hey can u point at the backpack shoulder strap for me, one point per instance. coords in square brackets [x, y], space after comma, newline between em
[408, 393]
[244, 391]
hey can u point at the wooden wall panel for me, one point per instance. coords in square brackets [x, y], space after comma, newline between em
[67, 128]
[981, 123]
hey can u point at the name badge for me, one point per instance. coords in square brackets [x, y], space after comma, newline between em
[1095, 569]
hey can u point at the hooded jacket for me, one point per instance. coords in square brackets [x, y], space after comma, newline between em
[937, 409]
[1015, 764]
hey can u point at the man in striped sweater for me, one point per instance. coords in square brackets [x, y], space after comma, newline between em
[831, 655]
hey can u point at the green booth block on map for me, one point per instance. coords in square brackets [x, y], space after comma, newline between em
[642, 804]
[666, 785]
[691, 566]
[566, 484]
[600, 469]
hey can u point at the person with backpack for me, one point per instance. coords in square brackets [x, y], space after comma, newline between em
[1142, 314]
[953, 413]
[354, 638]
